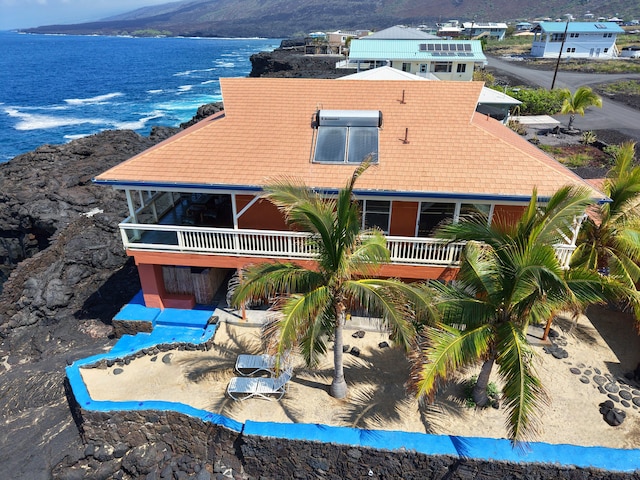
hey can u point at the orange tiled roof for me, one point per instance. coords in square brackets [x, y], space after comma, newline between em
[266, 132]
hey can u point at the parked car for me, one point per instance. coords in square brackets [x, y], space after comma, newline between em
[632, 51]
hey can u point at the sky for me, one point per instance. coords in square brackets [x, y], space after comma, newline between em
[16, 14]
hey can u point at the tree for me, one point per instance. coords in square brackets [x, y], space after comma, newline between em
[581, 99]
[509, 278]
[315, 301]
[609, 239]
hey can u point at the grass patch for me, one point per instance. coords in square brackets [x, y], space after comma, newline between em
[629, 87]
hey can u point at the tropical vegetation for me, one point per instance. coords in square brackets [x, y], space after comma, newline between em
[578, 101]
[313, 302]
[509, 278]
[609, 240]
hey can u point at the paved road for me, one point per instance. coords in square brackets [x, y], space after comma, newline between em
[612, 115]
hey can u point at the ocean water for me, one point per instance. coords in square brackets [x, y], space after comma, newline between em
[55, 88]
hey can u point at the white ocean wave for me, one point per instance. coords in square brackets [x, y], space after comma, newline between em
[189, 72]
[96, 99]
[155, 91]
[185, 88]
[138, 124]
[207, 82]
[35, 121]
[76, 136]
[226, 64]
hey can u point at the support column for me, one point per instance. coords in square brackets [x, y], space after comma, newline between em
[152, 283]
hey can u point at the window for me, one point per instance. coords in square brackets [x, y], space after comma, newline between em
[468, 210]
[431, 215]
[571, 50]
[406, 67]
[442, 67]
[462, 67]
[347, 136]
[423, 68]
[557, 37]
[606, 50]
[376, 213]
[574, 35]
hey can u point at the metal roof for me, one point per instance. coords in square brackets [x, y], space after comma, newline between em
[413, 50]
[579, 27]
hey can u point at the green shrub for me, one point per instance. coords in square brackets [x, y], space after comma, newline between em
[588, 137]
[538, 101]
[517, 127]
[492, 391]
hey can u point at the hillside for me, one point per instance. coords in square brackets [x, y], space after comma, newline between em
[283, 18]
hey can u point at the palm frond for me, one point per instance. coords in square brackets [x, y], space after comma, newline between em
[444, 351]
[385, 298]
[523, 392]
[266, 280]
[303, 320]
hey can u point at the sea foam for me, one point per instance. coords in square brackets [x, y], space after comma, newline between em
[35, 121]
[96, 99]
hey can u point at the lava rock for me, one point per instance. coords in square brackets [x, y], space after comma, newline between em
[355, 351]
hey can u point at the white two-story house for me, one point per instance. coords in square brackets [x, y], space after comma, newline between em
[581, 39]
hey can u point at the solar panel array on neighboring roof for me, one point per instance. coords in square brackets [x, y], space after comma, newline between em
[445, 47]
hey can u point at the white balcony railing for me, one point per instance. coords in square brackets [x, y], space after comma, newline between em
[284, 244]
[271, 244]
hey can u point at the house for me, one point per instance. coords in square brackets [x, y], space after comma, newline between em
[446, 59]
[495, 31]
[581, 39]
[195, 207]
[450, 29]
[491, 102]
[332, 43]
[399, 32]
[523, 26]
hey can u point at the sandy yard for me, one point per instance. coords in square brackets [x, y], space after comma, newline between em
[605, 343]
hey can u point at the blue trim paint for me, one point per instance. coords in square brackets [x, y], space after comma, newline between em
[480, 448]
[496, 449]
[334, 191]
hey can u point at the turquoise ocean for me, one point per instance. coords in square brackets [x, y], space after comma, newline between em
[55, 88]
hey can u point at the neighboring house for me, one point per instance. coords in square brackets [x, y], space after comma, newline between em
[491, 102]
[332, 43]
[196, 214]
[492, 30]
[583, 39]
[446, 59]
[523, 26]
[450, 29]
[398, 32]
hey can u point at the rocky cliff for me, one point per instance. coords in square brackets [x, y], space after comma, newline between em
[64, 275]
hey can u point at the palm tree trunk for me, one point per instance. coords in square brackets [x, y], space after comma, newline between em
[338, 387]
[572, 117]
[479, 393]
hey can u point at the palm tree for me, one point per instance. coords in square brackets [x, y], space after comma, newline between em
[581, 99]
[316, 300]
[609, 240]
[509, 278]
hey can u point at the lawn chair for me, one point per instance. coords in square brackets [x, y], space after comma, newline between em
[251, 364]
[241, 388]
[247, 365]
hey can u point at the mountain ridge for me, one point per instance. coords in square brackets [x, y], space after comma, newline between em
[279, 18]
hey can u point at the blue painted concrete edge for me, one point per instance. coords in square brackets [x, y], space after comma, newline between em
[479, 448]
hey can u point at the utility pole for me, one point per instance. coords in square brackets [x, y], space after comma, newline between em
[564, 37]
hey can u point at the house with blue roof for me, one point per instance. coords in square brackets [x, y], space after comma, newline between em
[444, 59]
[581, 39]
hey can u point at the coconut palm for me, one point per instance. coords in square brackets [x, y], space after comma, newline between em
[577, 102]
[509, 278]
[609, 239]
[316, 300]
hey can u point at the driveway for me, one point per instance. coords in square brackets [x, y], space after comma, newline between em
[612, 115]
